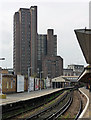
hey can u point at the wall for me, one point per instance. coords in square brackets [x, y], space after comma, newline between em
[8, 84]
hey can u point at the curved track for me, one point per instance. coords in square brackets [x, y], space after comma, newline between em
[50, 110]
[23, 107]
[54, 109]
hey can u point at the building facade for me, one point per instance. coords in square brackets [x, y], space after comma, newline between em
[41, 49]
[73, 70]
[48, 61]
[33, 50]
[25, 40]
[52, 66]
[68, 72]
[77, 69]
[51, 43]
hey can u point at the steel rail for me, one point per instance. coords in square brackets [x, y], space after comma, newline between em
[15, 115]
[19, 107]
[80, 110]
[55, 116]
[61, 111]
[50, 107]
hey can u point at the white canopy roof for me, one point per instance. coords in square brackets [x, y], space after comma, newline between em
[59, 79]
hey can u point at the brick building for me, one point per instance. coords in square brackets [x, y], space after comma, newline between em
[31, 49]
[52, 66]
[48, 61]
[8, 84]
[41, 49]
[25, 40]
[51, 43]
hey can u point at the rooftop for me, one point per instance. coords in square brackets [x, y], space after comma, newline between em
[84, 39]
[86, 31]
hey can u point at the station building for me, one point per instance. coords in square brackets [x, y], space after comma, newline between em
[64, 81]
[60, 82]
[8, 84]
[19, 83]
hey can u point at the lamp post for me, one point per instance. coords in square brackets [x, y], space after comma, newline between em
[28, 76]
[1, 76]
[55, 83]
[40, 79]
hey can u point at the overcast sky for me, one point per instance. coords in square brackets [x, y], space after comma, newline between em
[59, 15]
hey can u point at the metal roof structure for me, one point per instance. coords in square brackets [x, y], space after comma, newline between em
[86, 75]
[84, 39]
[59, 79]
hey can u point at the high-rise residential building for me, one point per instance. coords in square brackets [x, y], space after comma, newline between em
[51, 43]
[33, 11]
[48, 61]
[41, 50]
[32, 50]
[25, 40]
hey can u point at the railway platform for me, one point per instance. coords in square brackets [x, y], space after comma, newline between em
[87, 114]
[16, 97]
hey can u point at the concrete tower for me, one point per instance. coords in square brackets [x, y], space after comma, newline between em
[25, 40]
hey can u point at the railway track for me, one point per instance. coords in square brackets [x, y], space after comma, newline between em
[75, 108]
[26, 106]
[50, 110]
[40, 112]
[80, 108]
[54, 110]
